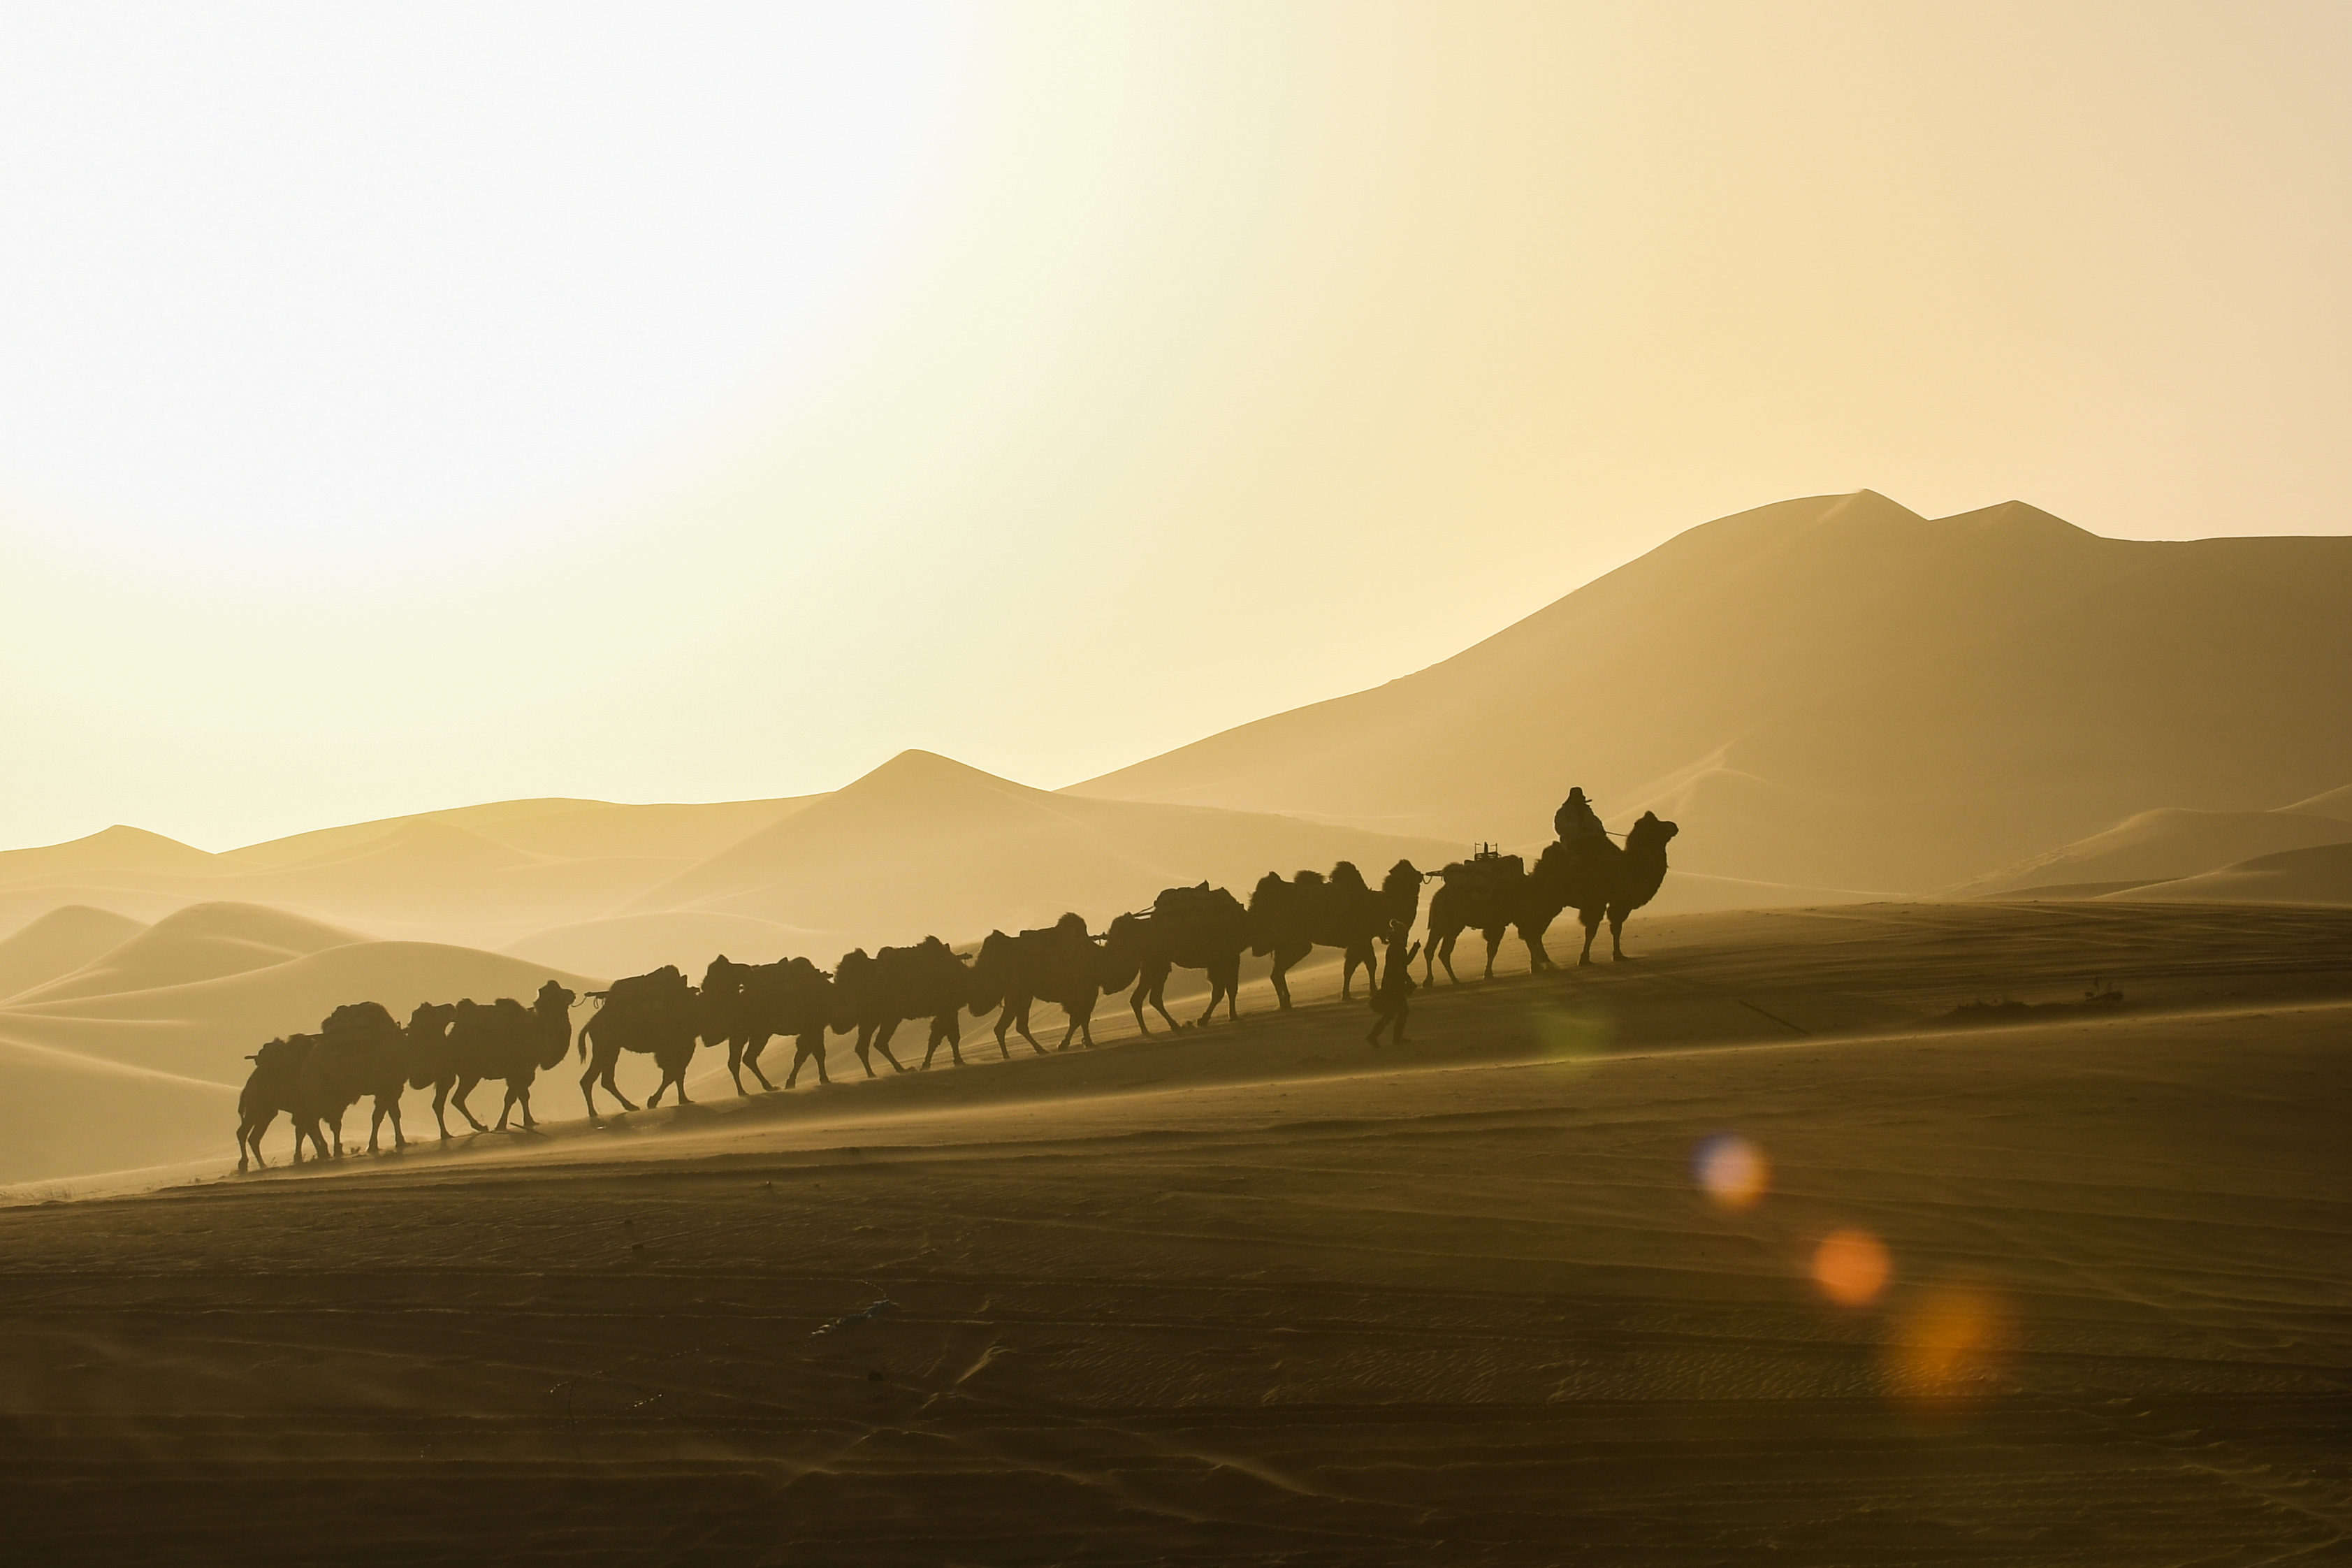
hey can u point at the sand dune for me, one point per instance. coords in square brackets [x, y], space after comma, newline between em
[66, 1111]
[924, 844]
[202, 941]
[1257, 1296]
[115, 850]
[2319, 875]
[2158, 846]
[568, 829]
[2336, 803]
[1835, 691]
[58, 943]
[631, 944]
[204, 1029]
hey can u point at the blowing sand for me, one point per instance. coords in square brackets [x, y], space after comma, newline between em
[1263, 1296]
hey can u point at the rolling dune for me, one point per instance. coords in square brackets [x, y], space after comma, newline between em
[924, 844]
[202, 941]
[59, 942]
[2319, 875]
[2159, 846]
[204, 1029]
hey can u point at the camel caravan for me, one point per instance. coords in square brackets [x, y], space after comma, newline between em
[361, 1052]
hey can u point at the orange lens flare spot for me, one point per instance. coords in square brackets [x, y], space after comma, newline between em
[1851, 1267]
[1731, 1171]
[1950, 1342]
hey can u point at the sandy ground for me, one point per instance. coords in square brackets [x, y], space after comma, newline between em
[1264, 1296]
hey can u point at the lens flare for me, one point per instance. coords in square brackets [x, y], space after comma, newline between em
[1851, 1267]
[1949, 1342]
[1731, 1171]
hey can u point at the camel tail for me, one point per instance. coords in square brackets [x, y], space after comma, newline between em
[584, 1028]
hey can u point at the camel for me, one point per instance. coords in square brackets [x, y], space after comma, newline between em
[1200, 928]
[655, 1014]
[747, 1005]
[433, 1064]
[511, 1042]
[1598, 878]
[1290, 920]
[1062, 965]
[873, 995]
[1486, 893]
[273, 1085]
[358, 1054]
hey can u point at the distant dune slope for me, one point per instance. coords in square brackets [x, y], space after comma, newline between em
[204, 1029]
[2319, 875]
[2155, 846]
[64, 1112]
[924, 844]
[632, 944]
[569, 829]
[1836, 692]
[2336, 803]
[116, 850]
[59, 942]
[202, 941]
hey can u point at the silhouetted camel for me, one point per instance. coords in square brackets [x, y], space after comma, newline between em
[433, 1063]
[359, 1053]
[1062, 965]
[1202, 927]
[1289, 919]
[654, 1014]
[273, 1085]
[873, 995]
[747, 1005]
[512, 1044]
[1596, 878]
[1488, 893]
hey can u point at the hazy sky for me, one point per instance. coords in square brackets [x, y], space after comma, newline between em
[409, 405]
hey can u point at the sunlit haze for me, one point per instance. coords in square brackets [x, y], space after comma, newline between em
[403, 407]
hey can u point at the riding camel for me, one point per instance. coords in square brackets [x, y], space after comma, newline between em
[1598, 879]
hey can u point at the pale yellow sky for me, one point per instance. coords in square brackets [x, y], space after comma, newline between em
[414, 406]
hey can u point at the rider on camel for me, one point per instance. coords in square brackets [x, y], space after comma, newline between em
[1576, 821]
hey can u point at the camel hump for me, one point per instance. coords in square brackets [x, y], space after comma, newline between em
[357, 1016]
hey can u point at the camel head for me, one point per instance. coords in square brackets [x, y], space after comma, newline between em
[1651, 834]
[990, 972]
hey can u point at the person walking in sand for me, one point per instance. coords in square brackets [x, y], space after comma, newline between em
[1391, 998]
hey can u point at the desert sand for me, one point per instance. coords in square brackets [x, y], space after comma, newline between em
[1260, 1295]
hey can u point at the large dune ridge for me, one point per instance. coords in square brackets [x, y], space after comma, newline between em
[2161, 846]
[1836, 692]
[562, 827]
[58, 942]
[202, 941]
[2336, 803]
[204, 1029]
[926, 844]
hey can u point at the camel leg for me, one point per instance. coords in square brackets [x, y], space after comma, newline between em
[506, 1109]
[752, 1053]
[882, 1043]
[440, 1106]
[611, 1063]
[1616, 937]
[1003, 1022]
[527, 1120]
[1022, 1021]
[1494, 940]
[1136, 1000]
[466, 1087]
[1353, 956]
[813, 1044]
[945, 1023]
[735, 1065]
[1591, 929]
